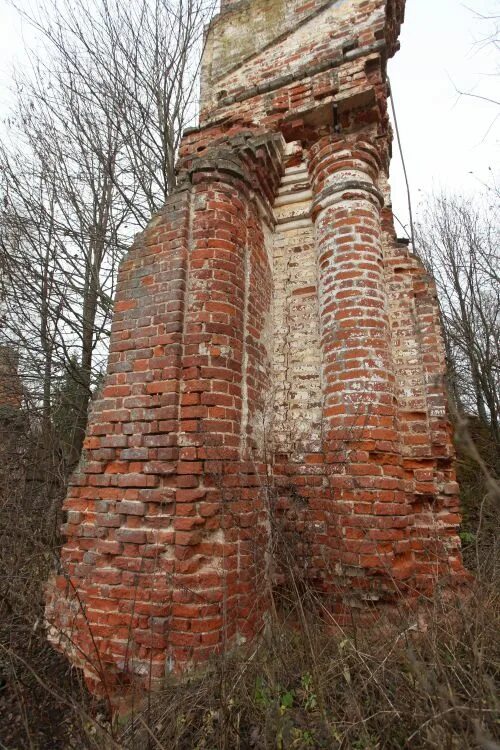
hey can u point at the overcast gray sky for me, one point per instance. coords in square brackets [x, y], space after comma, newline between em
[449, 141]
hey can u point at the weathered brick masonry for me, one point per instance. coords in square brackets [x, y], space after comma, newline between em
[276, 357]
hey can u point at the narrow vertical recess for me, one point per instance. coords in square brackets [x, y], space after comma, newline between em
[244, 370]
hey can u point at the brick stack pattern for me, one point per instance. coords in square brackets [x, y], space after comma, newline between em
[274, 398]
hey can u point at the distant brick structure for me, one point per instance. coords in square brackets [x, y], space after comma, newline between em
[275, 355]
[11, 390]
[12, 417]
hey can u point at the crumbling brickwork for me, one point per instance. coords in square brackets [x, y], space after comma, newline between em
[275, 355]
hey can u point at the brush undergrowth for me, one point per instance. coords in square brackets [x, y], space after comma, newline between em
[430, 681]
[431, 684]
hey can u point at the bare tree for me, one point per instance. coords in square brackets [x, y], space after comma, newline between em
[91, 155]
[459, 240]
[61, 238]
[139, 60]
[489, 38]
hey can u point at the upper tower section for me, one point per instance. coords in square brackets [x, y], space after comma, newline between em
[266, 61]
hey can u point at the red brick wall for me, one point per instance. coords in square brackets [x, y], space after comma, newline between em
[275, 393]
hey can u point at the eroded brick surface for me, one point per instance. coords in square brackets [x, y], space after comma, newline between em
[276, 362]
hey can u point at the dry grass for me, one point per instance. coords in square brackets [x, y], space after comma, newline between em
[432, 686]
[43, 704]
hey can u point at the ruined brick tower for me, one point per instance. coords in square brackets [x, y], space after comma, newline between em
[276, 359]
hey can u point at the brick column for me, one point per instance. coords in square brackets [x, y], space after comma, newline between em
[219, 585]
[166, 536]
[369, 510]
[110, 604]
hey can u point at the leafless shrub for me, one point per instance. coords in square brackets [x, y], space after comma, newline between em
[430, 684]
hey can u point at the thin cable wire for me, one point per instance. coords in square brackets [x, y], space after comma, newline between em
[403, 226]
[408, 192]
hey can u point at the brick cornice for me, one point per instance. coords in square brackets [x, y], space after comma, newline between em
[256, 159]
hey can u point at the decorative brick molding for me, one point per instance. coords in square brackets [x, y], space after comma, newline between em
[276, 358]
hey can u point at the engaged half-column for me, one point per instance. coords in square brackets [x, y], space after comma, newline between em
[369, 511]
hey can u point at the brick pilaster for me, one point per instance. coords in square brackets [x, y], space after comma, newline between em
[166, 536]
[370, 512]
[220, 585]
